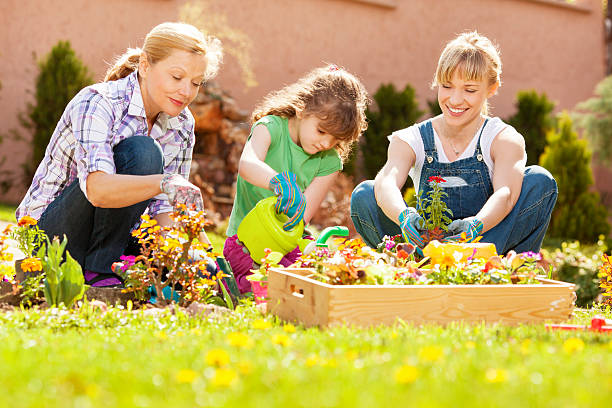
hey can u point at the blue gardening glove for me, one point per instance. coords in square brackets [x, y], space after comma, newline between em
[291, 200]
[410, 223]
[471, 226]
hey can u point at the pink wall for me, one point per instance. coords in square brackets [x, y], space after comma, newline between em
[551, 48]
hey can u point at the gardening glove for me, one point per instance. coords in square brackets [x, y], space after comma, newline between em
[471, 226]
[291, 200]
[410, 223]
[181, 191]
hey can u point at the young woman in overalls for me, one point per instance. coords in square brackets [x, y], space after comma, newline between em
[482, 160]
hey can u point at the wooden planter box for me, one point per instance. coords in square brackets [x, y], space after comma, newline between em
[293, 296]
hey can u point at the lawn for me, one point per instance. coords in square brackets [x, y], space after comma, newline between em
[7, 212]
[120, 359]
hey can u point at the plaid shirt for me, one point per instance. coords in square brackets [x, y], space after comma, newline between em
[95, 120]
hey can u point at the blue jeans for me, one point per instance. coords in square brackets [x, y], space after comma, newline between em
[522, 230]
[97, 237]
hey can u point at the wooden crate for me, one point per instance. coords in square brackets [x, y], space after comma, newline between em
[294, 297]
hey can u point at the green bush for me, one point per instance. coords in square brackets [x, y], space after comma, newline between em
[578, 264]
[595, 117]
[394, 111]
[533, 120]
[578, 213]
[62, 75]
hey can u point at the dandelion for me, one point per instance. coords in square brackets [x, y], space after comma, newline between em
[525, 346]
[573, 345]
[261, 324]
[470, 345]
[224, 377]
[245, 367]
[281, 340]
[217, 357]
[406, 374]
[186, 376]
[431, 353]
[289, 328]
[238, 339]
[496, 375]
[31, 265]
[312, 360]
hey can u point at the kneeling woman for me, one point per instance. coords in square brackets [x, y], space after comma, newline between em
[123, 147]
[481, 159]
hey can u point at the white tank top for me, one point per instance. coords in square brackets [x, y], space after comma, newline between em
[412, 136]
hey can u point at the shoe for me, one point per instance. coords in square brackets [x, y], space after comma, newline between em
[102, 280]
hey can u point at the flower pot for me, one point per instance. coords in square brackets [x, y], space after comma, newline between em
[260, 291]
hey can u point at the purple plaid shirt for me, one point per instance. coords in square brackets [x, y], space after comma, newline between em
[95, 120]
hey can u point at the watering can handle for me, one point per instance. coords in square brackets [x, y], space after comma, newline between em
[331, 232]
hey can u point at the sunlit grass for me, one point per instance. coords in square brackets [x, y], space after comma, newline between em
[54, 359]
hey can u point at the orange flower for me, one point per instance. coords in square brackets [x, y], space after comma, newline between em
[26, 221]
[31, 265]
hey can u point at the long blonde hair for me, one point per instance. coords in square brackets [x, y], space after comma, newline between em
[160, 42]
[475, 56]
[330, 93]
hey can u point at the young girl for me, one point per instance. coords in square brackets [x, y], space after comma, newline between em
[481, 159]
[298, 139]
[124, 146]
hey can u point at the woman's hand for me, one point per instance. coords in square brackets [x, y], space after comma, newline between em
[471, 227]
[291, 199]
[181, 191]
[410, 223]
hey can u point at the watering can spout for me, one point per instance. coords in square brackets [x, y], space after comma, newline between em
[327, 233]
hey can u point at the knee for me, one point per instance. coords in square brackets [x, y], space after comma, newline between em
[138, 155]
[537, 177]
[364, 192]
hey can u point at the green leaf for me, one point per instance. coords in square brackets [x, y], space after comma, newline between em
[72, 284]
[226, 296]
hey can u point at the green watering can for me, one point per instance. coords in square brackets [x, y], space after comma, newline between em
[262, 228]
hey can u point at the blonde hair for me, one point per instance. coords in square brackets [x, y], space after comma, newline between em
[475, 56]
[159, 44]
[330, 93]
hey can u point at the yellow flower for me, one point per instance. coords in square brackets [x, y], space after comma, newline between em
[495, 375]
[31, 265]
[224, 377]
[161, 335]
[289, 328]
[394, 335]
[406, 374]
[217, 357]
[186, 376]
[470, 345]
[281, 340]
[238, 339]
[245, 367]
[525, 346]
[312, 360]
[26, 221]
[351, 355]
[431, 353]
[261, 324]
[573, 345]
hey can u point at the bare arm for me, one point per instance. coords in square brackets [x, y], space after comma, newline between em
[252, 167]
[121, 190]
[315, 193]
[508, 154]
[391, 178]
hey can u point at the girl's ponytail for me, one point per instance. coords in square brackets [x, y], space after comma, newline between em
[124, 65]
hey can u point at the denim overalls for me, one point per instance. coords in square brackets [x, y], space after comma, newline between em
[468, 186]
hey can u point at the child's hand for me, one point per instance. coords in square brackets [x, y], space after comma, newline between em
[181, 191]
[410, 223]
[291, 199]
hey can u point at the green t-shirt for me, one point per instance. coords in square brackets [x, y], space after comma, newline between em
[283, 155]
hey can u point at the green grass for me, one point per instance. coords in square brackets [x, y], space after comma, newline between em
[7, 212]
[60, 359]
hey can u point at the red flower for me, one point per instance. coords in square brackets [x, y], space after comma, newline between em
[436, 179]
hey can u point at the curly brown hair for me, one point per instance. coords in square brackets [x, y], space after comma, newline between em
[330, 93]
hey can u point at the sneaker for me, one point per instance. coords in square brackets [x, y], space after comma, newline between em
[102, 280]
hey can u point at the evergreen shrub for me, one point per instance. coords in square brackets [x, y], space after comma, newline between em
[578, 213]
[533, 119]
[393, 111]
[62, 75]
[595, 117]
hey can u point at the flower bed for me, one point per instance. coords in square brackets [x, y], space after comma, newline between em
[357, 285]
